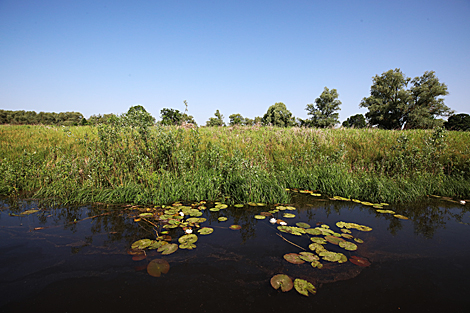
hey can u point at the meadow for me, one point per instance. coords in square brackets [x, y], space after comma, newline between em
[137, 164]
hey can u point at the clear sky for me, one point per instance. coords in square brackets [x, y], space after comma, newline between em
[98, 57]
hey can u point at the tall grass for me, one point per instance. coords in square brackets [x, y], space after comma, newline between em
[134, 163]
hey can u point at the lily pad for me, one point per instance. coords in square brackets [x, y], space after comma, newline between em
[293, 258]
[222, 219]
[221, 206]
[28, 212]
[214, 209]
[141, 244]
[238, 205]
[188, 246]
[334, 240]
[401, 217]
[348, 245]
[358, 240]
[139, 257]
[386, 211]
[303, 225]
[168, 249]
[359, 261]
[319, 240]
[261, 204]
[157, 244]
[316, 247]
[308, 256]
[189, 238]
[304, 287]
[313, 231]
[317, 264]
[205, 231]
[157, 267]
[235, 227]
[145, 214]
[290, 208]
[260, 217]
[347, 236]
[282, 281]
[281, 208]
[288, 215]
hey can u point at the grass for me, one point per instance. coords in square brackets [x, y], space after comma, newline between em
[138, 164]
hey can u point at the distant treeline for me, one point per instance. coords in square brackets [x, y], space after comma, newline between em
[50, 118]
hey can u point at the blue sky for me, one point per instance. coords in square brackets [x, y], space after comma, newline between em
[98, 57]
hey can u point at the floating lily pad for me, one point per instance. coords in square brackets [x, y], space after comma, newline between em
[239, 205]
[317, 264]
[261, 204]
[386, 211]
[347, 236]
[316, 194]
[282, 281]
[401, 217]
[290, 208]
[205, 231]
[221, 206]
[334, 240]
[313, 231]
[316, 247]
[265, 214]
[141, 244]
[135, 251]
[193, 220]
[273, 211]
[348, 245]
[333, 256]
[145, 214]
[168, 249]
[260, 217]
[139, 257]
[319, 240]
[353, 225]
[281, 208]
[252, 204]
[359, 261]
[157, 244]
[222, 219]
[235, 227]
[189, 238]
[303, 225]
[304, 287]
[188, 246]
[28, 212]
[288, 215]
[214, 209]
[293, 258]
[358, 240]
[195, 213]
[158, 266]
[285, 229]
[346, 231]
[308, 256]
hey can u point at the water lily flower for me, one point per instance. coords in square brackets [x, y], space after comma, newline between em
[181, 213]
[462, 202]
[283, 223]
[188, 231]
[273, 220]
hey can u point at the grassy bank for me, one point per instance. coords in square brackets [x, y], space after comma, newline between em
[139, 164]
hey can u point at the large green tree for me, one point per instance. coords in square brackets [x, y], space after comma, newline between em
[392, 105]
[171, 117]
[356, 121]
[323, 111]
[458, 122]
[218, 120]
[236, 119]
[278, 115]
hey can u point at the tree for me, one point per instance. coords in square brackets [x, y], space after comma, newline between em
[137, 116]
[458, 122]
[388, 100]
[392, 106]
[236, 119]
[356, 121]
[425, 104]
[323, 111]
[170, 117]
[218, 120]
[278, 115]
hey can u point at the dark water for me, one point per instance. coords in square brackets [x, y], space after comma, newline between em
[75, 264]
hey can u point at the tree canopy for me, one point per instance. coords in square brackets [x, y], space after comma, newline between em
[323, 111]
[458, 122]
[218, 120]
[355, 121]
[278, 115]
[392, 105]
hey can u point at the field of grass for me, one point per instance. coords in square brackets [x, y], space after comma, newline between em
[139, 164]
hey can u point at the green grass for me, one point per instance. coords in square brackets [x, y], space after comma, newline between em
[117, 164]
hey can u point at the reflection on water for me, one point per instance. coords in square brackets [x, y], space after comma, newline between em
[59, 249]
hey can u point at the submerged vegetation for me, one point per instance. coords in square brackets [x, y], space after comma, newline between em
[128, 160]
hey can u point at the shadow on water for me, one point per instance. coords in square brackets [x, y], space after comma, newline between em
[75, 259]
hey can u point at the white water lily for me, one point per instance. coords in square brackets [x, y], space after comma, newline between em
[273, 220]
[181, 213]
[283, 223]
[188, 231]
[462, 202]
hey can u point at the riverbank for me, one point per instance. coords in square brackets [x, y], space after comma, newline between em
[155, 165]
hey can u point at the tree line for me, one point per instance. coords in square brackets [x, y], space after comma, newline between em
[395, 102]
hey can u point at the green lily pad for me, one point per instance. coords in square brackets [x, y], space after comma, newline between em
[282, 281]
[293, 258]
[222, 219]
[346, 231]
[188, 246]
[193, 220]
[189, 238]
[168, 249]
[145, 214]
[401, 217]
[316, 194]
[273, 211]
[348, 245]
[317, 264]
[308, 256]
[285, 229]
[313, 231]
[281, 208]
[347, 236]
[288, 215]
[290, 208]
[195, 213]
[157, 244]
[330, 256]
[252, 204]
[235, 227]
[260, 217]
[304, 287]
[319, 240]
[334, 240]
[353, 225]
[239, 205]
[358, 240]
[205, 231]
[316, 247]
[386, 211]
[261, 204]
[28, 212]
[157, 267]
[214, 209]
[141, 244]
[303, 225]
